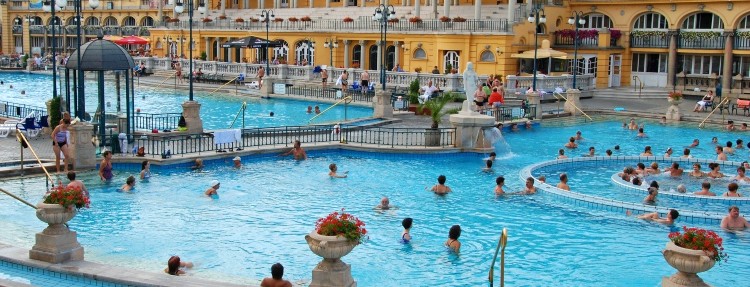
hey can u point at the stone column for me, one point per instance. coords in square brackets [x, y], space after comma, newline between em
[446, 8]
[362, 53]
[511, 11]
[328, 3]
[478, 9]
[346, 53]
[434, 5]
[344, 3]
[191, 110]
[223, 7]
[364, 3]
[208, 48]
[396, 54]
[672, 67]
[381, 104]
[416, 8]
[81, 149]
[572, 101]
[381, 46]
[726, 79]
[536, 101]
[283, 71]
[262, 4]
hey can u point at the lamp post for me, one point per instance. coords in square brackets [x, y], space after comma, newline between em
[80, 99]
[49, 6]
[178, 8]
[576, 20]
[267, 16]
[330, 44]
[382, 14]
[537, 16]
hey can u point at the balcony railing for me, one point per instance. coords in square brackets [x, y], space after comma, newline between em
[499, 25]
[651, 41]
[701, 40]
[519, 84]
[561, 40]
[741, 43]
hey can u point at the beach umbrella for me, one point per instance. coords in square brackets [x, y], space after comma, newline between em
[132, 40]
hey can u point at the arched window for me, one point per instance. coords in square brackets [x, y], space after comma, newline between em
[110, 21]
[373, 59]
[92, 21]
[451, 58]
[651, 20]
[487, 56]
[36, 20]
[56, 22]
[281, 53]
[128, 21]
[419, 53]
[357, 56]
[147, 21]
[703, 21]
[305, 50]
[390, 57]
[71, 21]
[745, 23]
[597, 21]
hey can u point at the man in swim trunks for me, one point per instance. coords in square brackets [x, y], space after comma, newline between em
[324, 76]
[365, 80]
[261, 73]
[733, 220]
[297, 151]
[277, 273]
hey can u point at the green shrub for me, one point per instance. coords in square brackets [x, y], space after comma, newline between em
[54, 111]
[414, 92]
[204, 56]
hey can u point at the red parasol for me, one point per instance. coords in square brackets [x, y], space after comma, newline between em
[135, 40]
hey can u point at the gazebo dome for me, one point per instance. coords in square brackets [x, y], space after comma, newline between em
[101, 55]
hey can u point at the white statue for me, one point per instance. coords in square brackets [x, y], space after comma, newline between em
[470, 82]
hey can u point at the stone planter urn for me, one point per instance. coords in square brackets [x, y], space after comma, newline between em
[688, 263]
[673, 111]
[56, 243]
[331, 271]
[674, 102]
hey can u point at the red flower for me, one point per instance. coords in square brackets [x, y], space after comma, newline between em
[67, 197]
[342, 224]
[700, 239]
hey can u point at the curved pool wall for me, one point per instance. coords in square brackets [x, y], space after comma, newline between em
[577, 199]
[217, 109]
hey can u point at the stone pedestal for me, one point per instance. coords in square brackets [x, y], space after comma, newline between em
[381, 105]
[688, 263]
[331, 271]
[673, 111]
[469, 130]
[573, 100]
[191, 110]
[82, 150]
[56, 243]
[267, 89]
[536, 101]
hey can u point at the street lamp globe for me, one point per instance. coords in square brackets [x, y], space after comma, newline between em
[94, 4]
[531, 18]
[178, 8]
[61, 3]
[202, 8]
[378, 15]
[46, 7]
[571, 20]
[581, 21]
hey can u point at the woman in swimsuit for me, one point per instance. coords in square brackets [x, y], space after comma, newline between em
[105, 168]
[453, 235]
[405, 236]
[441, 188]
[60, 143]
[715, 170]
[697, 171]
[145, 170]
[174, 264]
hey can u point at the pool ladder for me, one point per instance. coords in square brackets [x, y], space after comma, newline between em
[500, 244]
[22, 139]
[345, 100]
[723, 102]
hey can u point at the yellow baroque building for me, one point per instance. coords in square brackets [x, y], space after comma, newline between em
[671, 44]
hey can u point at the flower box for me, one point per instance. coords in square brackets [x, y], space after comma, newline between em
[173, 20]
[278, 20]
[394, 20]
[222, 17]
[445, 19]
[415, 19]
[305, 19]
[293, 19]
[342, 224]
[459, 19]
[348, 20]
[254, 20]
[206, 20]
[239, 20]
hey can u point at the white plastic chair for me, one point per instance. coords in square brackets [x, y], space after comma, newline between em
[4, 132]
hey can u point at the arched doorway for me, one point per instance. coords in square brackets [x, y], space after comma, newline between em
[305, 51]
[281, 53]
[390, 57]
[373, 57]
[357, 56]
[451, 58]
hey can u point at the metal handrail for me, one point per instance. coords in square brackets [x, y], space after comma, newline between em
[723, 101]
[241, 110]
[165, 80]
[572, 104]
[502, 242]
[324, 111]
[227, 83]
[638, 86]
[17, 198]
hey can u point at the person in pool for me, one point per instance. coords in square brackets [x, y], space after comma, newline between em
[452, 243]
[696, 172]
[297, 151]
[487, 166]
[500, 182]
[578, 136]
[592, 152]
[641, 134]
[686, 153]
[632, 125]
[732, 190]
[276, 280]
[174, 264]
[212, 190]
[733, 220]
[669, 220]
[715, 170]
[332, 173]
[705, 189]
[561, 154]
[563, 182]
[529, 188]
[385, 204]
[668, 153]
[740, 144]
[440, 187]
[571, 143]
[651, 197]
[640, 169]
[695, 143]
[728, 148]
[675, 170]
[145, 170]
[653, 169]
[198, 164]
[405, 235]
[647, 151]
[129, 184]
[105, 168]
[741, 177]
[74, 183]
[237, 162]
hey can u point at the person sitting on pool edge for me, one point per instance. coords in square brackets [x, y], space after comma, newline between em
[332, 173]
[212, 190]
[452, 243]
[276, 280]
[733, 220]
[440, 187]
[174, 264]
[129, 184]
[654, 216]
[405, 236]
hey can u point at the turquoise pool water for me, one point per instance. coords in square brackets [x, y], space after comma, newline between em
[217, 111]
[265, 209]
[43, 278]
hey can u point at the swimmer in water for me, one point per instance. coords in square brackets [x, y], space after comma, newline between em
[405, 236]
[669, 220]
[563, 182]
[297, 151]
[332, 173]
[385, 204]
[440, 187]
[500, 181]
[212, 190]
[705, 189]
[129, 184]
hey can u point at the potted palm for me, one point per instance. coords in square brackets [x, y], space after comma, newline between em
[413, 95]
[436, 109]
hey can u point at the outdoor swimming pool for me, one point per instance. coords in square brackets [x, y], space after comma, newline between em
[267, 207]
[217, 111]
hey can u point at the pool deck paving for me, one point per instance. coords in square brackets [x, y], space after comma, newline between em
[10, 151]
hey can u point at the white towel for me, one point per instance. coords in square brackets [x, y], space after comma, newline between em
[225, 136]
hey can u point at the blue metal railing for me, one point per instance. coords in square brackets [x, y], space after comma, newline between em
[20, 111]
